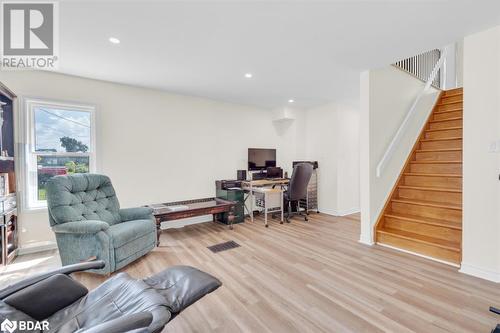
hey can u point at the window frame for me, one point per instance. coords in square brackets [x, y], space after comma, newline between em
[30, 165]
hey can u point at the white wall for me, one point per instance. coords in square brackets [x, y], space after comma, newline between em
[386, 96]
[449, 72]
[157, 146]
[289, 123]
[332, 138]
[452, 75]
[459, 62]
[321, 146]
[481, 168]
[348, 167]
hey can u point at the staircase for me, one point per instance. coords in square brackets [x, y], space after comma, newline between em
[424, 212]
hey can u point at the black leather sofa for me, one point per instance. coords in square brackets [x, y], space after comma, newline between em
[120, 304]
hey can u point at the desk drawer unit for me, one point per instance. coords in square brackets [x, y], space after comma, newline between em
[273, 201]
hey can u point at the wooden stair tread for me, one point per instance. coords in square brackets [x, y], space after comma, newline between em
[456, 175]
[448, 103]
[435, 162]
[443, 120]
[443, 129]
[428, 203]
[455, 90]
[425, 220]
[437, 150]
[430, 188]
[451, 93]
[444, 244]
[450, 110]
[442, 139]
[445, 96]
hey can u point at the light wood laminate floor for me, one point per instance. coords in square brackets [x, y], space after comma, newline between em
[308, 277]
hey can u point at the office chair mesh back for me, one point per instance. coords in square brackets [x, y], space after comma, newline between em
[297, 188]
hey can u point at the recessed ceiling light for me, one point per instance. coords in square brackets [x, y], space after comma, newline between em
[248, 75]
[114, 40]
[291, 101]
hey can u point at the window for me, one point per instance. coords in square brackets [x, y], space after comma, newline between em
[60, 141]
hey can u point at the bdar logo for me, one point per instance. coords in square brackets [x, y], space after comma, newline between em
[8, 326]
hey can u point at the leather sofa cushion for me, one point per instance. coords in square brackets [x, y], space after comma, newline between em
[44, 298]
[118, 296]
[126, 232]
[82, 197]
[13, 314]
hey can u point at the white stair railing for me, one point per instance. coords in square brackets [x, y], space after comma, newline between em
[422, 65]
[396, 140]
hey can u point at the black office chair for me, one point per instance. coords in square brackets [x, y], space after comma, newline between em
[297, 189]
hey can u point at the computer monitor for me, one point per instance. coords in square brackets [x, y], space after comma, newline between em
[261, 158]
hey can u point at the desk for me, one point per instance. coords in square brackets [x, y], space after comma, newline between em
[253, 186]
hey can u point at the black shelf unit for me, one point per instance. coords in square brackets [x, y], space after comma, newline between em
[8, 200]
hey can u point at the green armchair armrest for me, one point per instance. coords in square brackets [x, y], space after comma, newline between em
[137, 213]
[81, 227]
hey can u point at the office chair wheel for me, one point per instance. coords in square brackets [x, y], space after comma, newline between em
[281, 222]
[267, 225]
[305, 218]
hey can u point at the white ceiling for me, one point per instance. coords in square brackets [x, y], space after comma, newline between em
[309, 51]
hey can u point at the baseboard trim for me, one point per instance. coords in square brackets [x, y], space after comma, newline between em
[419, 255]
[37, 247]
[335, 212]
[480, 272]
[345, 212]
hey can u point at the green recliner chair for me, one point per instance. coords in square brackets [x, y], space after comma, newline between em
[85, 215]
